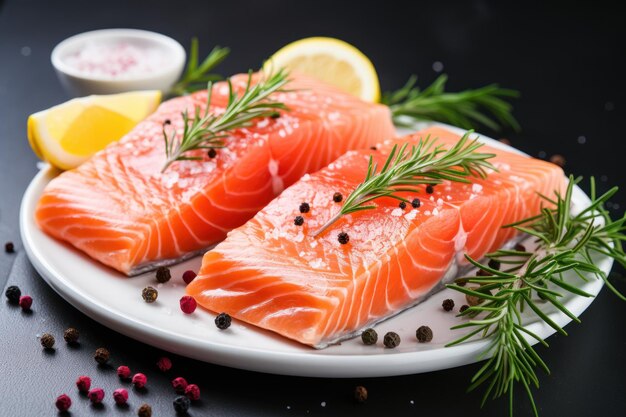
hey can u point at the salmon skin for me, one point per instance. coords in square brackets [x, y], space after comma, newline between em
[275, 275]
[119, 209]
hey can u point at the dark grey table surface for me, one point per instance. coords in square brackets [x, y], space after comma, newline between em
[568, 63]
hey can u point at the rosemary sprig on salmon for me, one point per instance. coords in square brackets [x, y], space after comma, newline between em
[565, 243]
[206, 130]
[426, 163]
[467, 109]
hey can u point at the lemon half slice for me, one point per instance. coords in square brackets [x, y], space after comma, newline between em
[68, 134]
[331, 60]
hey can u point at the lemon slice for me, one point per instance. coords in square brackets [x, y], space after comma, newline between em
[331, 60]
[68, 134]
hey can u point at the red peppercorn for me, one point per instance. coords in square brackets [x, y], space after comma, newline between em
[63, 402]
[164, 364]
[123, 372]
[179, 384]
[26, 302]
[139, 380]
[83, 383]
[120, 396]
[188, 276]
[192, 392]
[96, 395]
[188, 304]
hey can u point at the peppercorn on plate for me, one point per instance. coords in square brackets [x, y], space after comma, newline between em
[115, 301]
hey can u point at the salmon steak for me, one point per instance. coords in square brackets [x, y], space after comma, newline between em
[274, 274]
[121, 210]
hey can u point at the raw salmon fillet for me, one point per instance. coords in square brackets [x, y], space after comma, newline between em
[275, 275]
[119, 209]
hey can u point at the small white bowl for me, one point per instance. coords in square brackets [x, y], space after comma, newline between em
[78, 83]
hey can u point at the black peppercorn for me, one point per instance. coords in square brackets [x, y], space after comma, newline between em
[520, 248]
[483, 273]
[463, 308]
[305, 208]
[343, 238]
[163, 274]
[13, 294]
[369, 337]
[402, 205]
[149, 294]
[360, 394]
[47, 341]
[275, 115]
[416, 203]
[167, 122]
[9, 247]
[298, 221]
[223, 321]
[181, 404]
[374, 148]
[424, 334]
[71, 335]
[102, 355]
[212, 153]
[473, 300]
[493, 264]
[447, 304]
[337, 197]
[144, 411]
[430, 189]
[391, 340]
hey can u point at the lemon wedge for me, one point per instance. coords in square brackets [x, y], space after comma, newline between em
[331, 60]
[68, 134]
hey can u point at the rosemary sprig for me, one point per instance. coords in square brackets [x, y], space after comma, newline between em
[466, 109]
[404, 170]
[197, 76]
[565, 243]
[206, 130]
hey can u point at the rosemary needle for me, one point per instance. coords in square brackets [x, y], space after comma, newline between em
[566, 243]
[424, 163]
[467, 109]
[206, 130]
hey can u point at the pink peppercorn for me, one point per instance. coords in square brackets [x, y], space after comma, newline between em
[123, 372]
[192, 392]
[63, 402]
[188, 276]
[139, 380]
[179, 385]
[25, 302]
[120, 396]
[83, 383]
[164, 364]
[188, 304]
[96, 395]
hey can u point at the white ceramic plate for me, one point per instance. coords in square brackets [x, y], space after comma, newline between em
[115, 301]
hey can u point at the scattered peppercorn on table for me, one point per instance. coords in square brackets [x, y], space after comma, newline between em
[55, 358]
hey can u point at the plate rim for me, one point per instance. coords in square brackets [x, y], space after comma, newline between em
[270, 361]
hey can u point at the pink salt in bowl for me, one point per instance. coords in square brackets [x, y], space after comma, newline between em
[112, 61]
